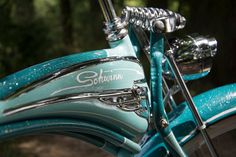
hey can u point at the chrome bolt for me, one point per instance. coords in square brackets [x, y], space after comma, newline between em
[164, 123]
[158, 26]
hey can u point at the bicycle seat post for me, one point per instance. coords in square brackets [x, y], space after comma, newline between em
[114, 28]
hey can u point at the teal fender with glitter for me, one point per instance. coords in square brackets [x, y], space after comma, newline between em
[74, 95]
[214, 106]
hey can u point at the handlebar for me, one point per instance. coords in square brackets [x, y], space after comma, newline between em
[151, 19]
[154, 19]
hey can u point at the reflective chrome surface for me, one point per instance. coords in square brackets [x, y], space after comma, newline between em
[186, 93]
[125, 99]
[114, 28]
[67, 70]
[108, 10]
[129, 100]
[193, 55]
[154, 19]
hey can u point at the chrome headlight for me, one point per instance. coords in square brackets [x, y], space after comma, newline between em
[193, 55]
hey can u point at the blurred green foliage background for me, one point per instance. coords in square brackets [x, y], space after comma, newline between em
[33, 31]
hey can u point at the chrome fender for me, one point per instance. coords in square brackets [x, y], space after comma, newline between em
[214, 106]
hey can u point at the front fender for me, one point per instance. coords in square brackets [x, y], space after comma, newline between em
[213, 106]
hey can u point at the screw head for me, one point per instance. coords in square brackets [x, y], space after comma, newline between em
[164, 123]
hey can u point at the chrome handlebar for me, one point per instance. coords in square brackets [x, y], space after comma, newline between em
[153, 19]
[193, 53]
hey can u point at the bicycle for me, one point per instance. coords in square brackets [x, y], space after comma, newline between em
[104, 98]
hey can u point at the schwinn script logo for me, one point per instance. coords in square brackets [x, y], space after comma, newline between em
[90, 78]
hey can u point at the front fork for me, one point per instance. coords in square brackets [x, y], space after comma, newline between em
[159, 115]
[160, 118]
[200, 124]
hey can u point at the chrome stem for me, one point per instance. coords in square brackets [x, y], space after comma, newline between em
[114, 28]
[188, 97]
[108, 10]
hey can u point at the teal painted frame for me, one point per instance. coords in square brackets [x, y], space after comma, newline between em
[158, 107]
[213, 106]
[110, 138]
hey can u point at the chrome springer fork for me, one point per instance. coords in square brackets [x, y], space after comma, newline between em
[200, 123]
[161, 21]
[155, 21]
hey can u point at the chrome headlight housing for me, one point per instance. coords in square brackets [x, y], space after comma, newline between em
[193, 55]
